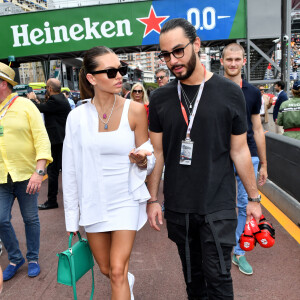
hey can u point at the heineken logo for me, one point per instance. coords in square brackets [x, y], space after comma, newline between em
[24, 36]
[152, 22]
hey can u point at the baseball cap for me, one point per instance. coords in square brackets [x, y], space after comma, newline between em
[296, 85]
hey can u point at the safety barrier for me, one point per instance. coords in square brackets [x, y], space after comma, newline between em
[283, 185]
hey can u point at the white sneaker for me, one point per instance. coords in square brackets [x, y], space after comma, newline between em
[131, 283]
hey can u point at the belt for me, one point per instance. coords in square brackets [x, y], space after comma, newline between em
[292, 129]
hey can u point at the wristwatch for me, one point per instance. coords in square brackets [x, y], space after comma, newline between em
[40, 172]
[258, 199]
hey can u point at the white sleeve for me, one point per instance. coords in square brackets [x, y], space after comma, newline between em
[70, 192]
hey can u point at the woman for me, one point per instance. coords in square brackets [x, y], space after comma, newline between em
[106, 158]
[138, 94]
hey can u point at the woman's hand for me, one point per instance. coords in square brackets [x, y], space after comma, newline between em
[74, 233]
[139, 157]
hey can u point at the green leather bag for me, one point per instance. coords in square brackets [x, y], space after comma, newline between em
[74, 263]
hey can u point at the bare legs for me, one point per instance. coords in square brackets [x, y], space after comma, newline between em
[112, 253]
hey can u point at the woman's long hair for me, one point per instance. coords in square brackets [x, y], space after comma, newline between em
[145, 96]
[89, 64]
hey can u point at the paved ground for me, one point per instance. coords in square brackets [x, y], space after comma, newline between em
[155, 264]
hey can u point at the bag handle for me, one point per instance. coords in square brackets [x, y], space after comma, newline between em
[71, 236]
[73, 270]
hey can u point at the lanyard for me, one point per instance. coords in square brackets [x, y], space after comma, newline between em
[9, 104]
[192, 116]
[241, 83]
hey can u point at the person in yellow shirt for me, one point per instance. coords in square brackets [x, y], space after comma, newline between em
[24, 154]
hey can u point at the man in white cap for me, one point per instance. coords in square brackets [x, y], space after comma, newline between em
[24, 154]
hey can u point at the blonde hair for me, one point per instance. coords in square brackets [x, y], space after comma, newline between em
[233, 47]
[145, 96]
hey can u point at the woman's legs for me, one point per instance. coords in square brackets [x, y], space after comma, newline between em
[100, 244]
[121, 246]
[112, 253]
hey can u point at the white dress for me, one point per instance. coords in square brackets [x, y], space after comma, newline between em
[123, 211]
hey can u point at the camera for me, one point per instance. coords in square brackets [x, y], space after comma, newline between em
[285, 38]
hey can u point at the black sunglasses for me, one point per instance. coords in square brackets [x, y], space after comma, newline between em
[177, 53]
[112, 73]
[137, 91]
[160, 77]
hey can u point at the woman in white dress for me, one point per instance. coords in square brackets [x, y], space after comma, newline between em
[106, 158]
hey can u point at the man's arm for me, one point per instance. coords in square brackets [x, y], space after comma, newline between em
[260, 141]
[240, 155]
[36, 180]
[154, 209]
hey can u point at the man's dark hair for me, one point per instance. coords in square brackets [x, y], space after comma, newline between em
[67, 93]
[189, 30]
[281, 84]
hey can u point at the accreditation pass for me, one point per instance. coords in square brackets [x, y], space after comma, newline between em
[186, 152]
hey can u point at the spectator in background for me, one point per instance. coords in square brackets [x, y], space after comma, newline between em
[71, 102]
[25, 152]
[233, 59]
[281, 97]
[150, 89]
[162, 76]
[138, 94]
[55, 111]
[266, 103]
[126, 87]
[289, 114]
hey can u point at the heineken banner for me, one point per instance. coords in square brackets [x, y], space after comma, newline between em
[116, 25]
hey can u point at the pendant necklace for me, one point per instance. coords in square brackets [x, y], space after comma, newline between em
[187, 100]
[105, 116]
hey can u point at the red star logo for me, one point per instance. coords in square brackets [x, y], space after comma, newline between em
[152, 22]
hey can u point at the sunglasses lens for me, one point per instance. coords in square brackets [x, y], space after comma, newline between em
[112, 73]
[178, 53]
[123, 70]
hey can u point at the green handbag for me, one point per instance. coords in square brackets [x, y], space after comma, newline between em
[74, 263]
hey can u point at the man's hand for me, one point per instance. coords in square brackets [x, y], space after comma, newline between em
[263, 175]
[34, 184]
[153, 211]
[253, 210]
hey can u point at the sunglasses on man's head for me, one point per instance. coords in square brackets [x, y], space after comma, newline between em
[160, 77]
[112, 73]
[137, 91]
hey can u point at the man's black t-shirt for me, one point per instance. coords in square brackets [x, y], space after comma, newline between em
[253, 102]
[208, 185]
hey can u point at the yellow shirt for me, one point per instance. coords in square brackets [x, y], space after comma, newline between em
[24, 140]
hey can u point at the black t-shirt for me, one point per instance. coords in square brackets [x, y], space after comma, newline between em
[253, 103]
[208, 185]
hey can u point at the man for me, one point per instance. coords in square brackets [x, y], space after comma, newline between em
[199, 184]
[233, 60]
[55, 111]
[266, 103]
[289, 114]
[281, 97]
[71, 101]
[126, 88]
[24, 154]
[162, 76]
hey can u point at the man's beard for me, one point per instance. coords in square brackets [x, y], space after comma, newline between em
[190, 67]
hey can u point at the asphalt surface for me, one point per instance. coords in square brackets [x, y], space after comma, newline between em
[155, 264]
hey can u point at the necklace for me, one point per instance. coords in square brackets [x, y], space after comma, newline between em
[104, 115]
[187, 100]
